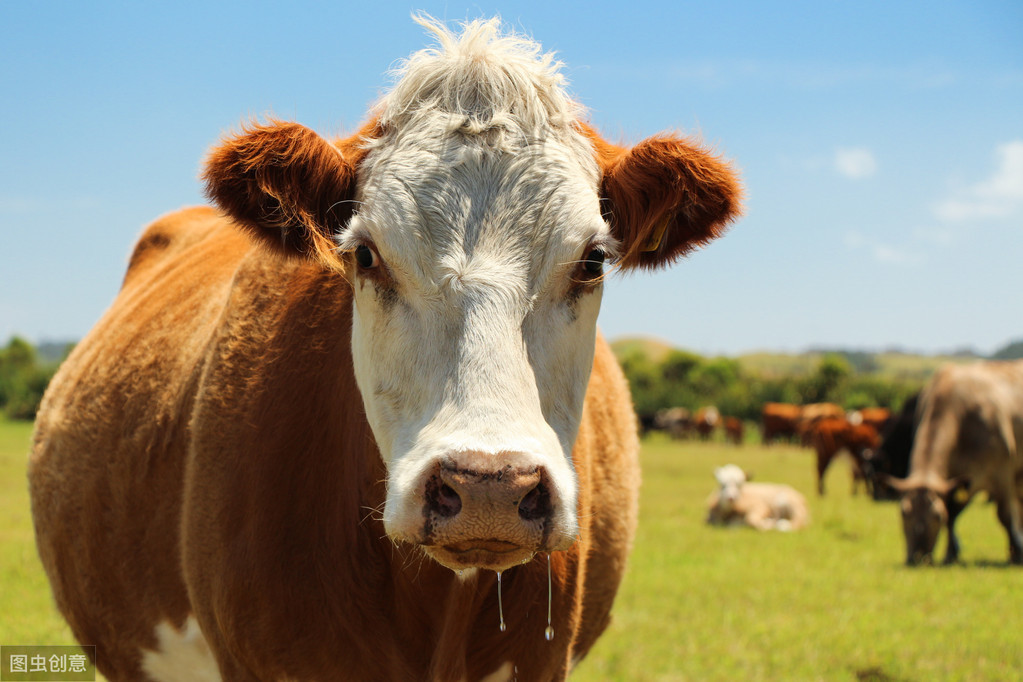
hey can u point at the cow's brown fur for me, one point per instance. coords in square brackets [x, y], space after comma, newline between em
[779, 419]
[829, 436]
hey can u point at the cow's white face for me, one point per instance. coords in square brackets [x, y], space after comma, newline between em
[470, 212]
[477, 283]
[730, 480]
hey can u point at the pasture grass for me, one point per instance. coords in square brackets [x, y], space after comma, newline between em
[832, 602]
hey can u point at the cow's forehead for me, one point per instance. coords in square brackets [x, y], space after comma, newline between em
[436, 205]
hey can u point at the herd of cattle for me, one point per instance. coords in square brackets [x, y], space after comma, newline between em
[960, 435]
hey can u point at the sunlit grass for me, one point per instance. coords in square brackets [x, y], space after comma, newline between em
[832, 602]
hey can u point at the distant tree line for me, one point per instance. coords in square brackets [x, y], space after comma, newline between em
[24, 375]
[684, 379]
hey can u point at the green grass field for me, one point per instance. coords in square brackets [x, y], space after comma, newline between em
[832, 602]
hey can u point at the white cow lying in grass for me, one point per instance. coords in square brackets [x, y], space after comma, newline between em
[764, 506]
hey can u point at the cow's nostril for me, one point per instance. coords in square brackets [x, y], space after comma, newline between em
[448, 501]
[442, 499]
[536, 504]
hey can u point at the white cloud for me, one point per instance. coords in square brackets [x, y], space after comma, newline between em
[855, 163]
[999, 196]
[880, 252]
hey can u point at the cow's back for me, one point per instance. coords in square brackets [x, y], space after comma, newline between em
[971, 424]
[107, 465]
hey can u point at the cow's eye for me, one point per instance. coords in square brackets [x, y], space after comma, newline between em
[594, 263]
[366, 257]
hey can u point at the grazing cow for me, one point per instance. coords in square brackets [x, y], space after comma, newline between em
[706, 420]
[734, 430]
[831, 435]
[891, 459]
[810, 414]
[675, 421]
[969, 438]
[315, 429]
[779, 419]
[878, 417]
[764, 506]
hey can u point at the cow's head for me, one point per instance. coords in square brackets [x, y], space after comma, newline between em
[731, 479]
[924, 511]
[476, 218]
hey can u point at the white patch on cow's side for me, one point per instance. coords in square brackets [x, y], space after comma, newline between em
[181, 655]
[505, 673]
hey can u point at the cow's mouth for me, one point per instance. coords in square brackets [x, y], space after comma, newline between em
[492, 554]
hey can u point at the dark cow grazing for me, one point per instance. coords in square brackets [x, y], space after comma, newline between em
[735, 432]
[779, 420]
[969, 438]
[322, 432]
[831, 435]
[891, 459]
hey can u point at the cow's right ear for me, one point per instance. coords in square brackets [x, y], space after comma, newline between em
[287, 186]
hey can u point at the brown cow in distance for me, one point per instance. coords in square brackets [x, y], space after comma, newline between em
[706, 421]
[779, 420]
[323, 432]
[831, 435]
[735, 432]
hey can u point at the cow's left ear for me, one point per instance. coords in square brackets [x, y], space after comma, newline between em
[666, 196]
[287, 186]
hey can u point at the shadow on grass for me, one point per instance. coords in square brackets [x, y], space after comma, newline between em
[875, 674]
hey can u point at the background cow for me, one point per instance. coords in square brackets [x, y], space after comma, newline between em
[779, 420]
[706, 421]
[764, 506]
[311, 420]
[969, 438]
[891, 459]
[829, 436]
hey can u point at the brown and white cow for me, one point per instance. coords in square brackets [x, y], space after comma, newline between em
[969, 437]
[322, 433]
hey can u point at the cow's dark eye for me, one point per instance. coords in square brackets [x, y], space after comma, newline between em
[594, 263]
[366, 257]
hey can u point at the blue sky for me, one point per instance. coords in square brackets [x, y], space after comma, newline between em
[880, 143]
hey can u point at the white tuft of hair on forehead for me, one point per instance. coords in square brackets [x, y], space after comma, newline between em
[484, 80]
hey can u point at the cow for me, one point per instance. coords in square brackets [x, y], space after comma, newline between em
[779, 419]
[891, 459]
[877, 417]
[735, 432]
[969, 438]
[677, 422]
[323, 428]
[764, 506]
[831, 435]
[706, 421]
[810, 414]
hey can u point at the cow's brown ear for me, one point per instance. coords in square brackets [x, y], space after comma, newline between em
[666, 196]
[288, 186]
